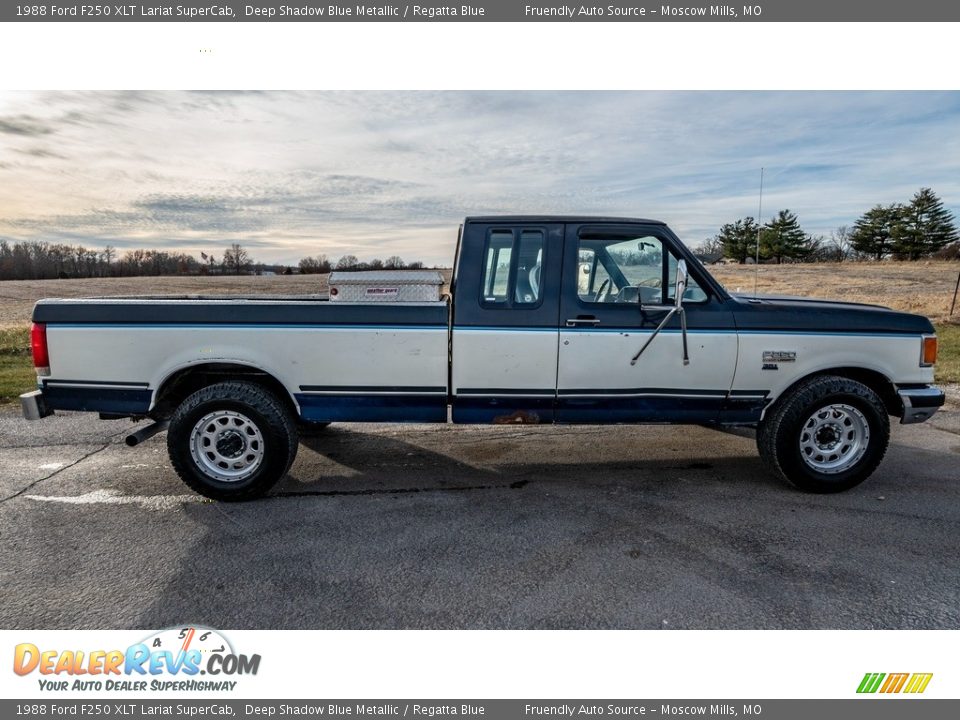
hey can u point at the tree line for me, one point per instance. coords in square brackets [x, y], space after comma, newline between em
[920, 228]
[40, 260]
[317, 264]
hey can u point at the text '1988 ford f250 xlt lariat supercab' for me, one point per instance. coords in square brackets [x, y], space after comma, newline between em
[551, 320]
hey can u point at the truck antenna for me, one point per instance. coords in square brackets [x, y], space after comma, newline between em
[756, 261]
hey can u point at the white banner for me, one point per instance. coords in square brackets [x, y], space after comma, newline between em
[479, 664]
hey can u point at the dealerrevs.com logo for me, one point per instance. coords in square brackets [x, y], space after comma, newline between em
[910, 683]
[178, 659]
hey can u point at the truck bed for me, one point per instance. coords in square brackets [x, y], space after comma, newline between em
[235, 310]
[337, 361]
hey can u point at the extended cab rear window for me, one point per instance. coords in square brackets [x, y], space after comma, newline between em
[512, 268]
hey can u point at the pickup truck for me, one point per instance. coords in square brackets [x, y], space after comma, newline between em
[549, 320]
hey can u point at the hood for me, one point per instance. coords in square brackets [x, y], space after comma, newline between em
[784, 313]
[800, 300]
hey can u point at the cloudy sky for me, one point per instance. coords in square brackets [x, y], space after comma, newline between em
[379, 174]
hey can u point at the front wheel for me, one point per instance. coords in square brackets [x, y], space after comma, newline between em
[827, 435]
[232, 441]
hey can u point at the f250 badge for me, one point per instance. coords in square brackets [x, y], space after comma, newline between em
[772, 358]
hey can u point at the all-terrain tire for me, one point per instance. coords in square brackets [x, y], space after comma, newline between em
[826, 435]
[232, 441]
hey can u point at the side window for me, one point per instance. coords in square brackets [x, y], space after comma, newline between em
[620, 269]
[496, 272]
[617, 268]
[529, 262]
[512, 268]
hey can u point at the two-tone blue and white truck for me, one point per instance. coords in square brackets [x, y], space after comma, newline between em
[549, 320]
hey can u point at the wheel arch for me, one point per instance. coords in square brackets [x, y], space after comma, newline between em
[183, 382]
[885, 388]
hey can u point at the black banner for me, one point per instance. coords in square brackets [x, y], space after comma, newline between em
[486, 10]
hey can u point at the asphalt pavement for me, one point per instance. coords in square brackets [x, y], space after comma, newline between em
[417, 526]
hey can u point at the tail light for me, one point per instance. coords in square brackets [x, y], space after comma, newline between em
[38, 344]
[929, 354]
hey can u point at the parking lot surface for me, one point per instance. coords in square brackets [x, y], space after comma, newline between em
[392, 526]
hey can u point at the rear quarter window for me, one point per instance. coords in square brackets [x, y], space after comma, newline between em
[512, 268]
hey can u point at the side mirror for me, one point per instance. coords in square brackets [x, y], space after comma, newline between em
[681, 286]
[678, 290]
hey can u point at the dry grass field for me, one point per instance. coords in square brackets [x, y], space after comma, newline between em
[920, 287]
[17, 297]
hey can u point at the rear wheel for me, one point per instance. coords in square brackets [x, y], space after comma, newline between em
[826, 435]
[232, 441]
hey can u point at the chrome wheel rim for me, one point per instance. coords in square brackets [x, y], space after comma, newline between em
[834, 438]
[227, 446]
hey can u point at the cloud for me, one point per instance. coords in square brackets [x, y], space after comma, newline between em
[24, 125]
[41, 152]
[371, 173]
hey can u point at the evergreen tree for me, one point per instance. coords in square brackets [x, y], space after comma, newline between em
[739, 239]
[926, 226]
[783, 238]
[874, 232]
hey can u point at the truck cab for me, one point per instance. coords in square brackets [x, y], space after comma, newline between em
[548, 314]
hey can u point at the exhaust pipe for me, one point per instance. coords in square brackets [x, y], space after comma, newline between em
[146, 433]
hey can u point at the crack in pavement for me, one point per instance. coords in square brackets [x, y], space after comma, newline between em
[47, 445]
[56, 472]
[944, 429]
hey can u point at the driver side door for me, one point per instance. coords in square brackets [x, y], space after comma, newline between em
[616, 288]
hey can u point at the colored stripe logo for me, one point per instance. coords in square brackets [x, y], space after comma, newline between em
[913, 683]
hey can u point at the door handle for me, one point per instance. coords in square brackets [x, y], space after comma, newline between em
[583, 320]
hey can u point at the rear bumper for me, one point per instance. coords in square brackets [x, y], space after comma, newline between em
[34, 405]
[920, 403]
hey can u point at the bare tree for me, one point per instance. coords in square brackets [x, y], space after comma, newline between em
[348, 262]
[818, 249]
[210, 263]
[236, 259]
[840, 243]
[394, 262]
[312, 265]
[109, 252]
[710, 247]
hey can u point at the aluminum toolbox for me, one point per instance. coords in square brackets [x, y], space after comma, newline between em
[386, 286]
